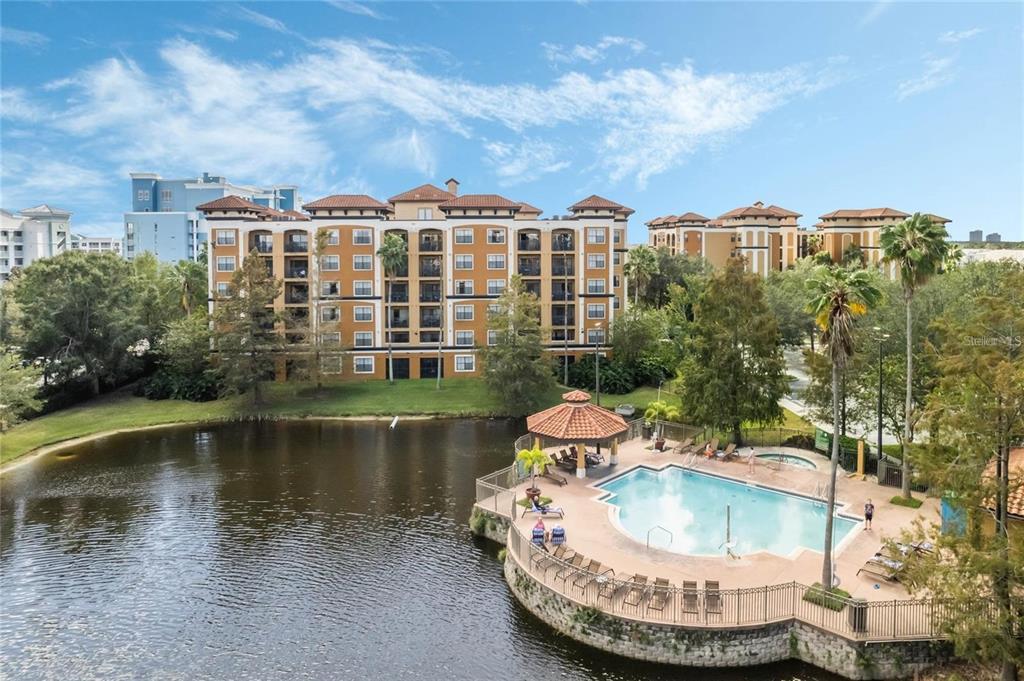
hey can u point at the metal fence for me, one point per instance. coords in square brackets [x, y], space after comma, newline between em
[495, 491]
[693, 605]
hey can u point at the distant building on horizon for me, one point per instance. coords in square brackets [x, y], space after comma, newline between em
[164, 219]
[31, 234]
[977, 236]
[95, 244]
[993, 238]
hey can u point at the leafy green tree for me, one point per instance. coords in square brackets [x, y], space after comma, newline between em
[244, 333]
[184, 368]
[394, 256]
[639, 341]
[515, 368]
[853, 256]
[19, 387]
[641, 265]
[975, 416]
[836, 297]
[680, 269]
[785, 293]
[186, 281]
[817, 395]
[733, 371]
[78, 314]
[917, 246]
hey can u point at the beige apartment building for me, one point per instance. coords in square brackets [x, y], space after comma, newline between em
[770, 238]
[462, 253]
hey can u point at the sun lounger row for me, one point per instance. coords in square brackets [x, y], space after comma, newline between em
[890, 568]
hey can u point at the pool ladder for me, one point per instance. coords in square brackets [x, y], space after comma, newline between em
[658, 527]
[821, 491]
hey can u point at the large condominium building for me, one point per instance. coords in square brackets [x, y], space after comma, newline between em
[164, 219]
[95, 244]
[30, 234]
[462, 253]
[770, 238]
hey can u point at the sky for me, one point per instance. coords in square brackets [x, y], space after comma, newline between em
[664, 107]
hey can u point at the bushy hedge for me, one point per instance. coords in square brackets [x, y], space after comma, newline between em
[166, 384]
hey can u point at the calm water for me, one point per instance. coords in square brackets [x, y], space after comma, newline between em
[692, 506]
[272, 551]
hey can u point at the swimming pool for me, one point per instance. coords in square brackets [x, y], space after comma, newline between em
[788, 459]
[691, 506]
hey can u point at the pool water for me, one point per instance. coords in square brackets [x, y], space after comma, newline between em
[692, 507]
[788, 459]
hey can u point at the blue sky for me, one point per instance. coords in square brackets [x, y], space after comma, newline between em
[664, 107]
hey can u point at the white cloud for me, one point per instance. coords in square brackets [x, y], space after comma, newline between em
[357, 8]
[16, 106]
[876, 10]
[524, 161]
[267, 22]
[590, 53]
[411, 149]
[212, 31]
[938, 71]
[24, 38]
[953, 37]
[30, 179]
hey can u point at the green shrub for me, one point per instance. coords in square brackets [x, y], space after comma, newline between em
[833, 600]
[909, 503]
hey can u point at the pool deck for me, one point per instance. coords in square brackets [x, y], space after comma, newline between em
[590, 529]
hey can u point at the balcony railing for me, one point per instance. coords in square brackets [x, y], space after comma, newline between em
[529, 269]
[430, 321]
[558, 295]
[296, 247]
[295, 273]
[262, 247]
[296, 298]
[559, 270]
[430, 270]
[529, 243]
[398, 297]
[563, 321]
[562, 243]
[430, 297]
[430, 245]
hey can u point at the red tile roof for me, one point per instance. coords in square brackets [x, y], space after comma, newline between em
[425, 192]
[576, 420]
[758, 210]
[480, 201]
[296, 215]
[1015, 503]
[599, 202]
[345, 201]
[865, 213]
[230, 202]
[692, 217]
[527, 208]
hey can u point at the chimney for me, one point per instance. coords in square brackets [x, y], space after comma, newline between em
[453, 186]
[758, 204]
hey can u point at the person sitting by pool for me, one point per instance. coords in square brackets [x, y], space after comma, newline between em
[537, 507]
[539, 534]
[708, 451]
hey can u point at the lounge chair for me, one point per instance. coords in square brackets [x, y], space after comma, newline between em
[684, 446]
[713, 445]
[712, 598]
[590, 458]
[543, 510]
[697, 448]
[562, 460]
[883, 566]
[659, 594]
[728, 453]
[575, 563]
[543, 561]
[554, 477]
[608, 588]
[690, 597]
[637, 591]
[592, 572]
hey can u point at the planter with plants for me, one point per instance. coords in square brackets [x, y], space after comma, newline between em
[536, 461]
[656, 413]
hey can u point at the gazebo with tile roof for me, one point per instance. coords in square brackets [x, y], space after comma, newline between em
[576, 421]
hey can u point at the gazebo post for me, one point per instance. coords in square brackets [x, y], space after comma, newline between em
[581, 461]
[614, 458]
[536, 442]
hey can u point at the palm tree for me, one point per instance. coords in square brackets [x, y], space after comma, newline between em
[954, 256]
[837, 295]
[641, 266]
[394, 256]
[918, 247]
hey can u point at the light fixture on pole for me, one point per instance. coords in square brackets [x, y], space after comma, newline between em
[597, 362]
[880, 337]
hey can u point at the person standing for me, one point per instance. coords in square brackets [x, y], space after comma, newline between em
[869, 513]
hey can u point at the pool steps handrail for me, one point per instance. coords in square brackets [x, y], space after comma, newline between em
[671, 538]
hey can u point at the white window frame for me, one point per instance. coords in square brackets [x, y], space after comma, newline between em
[424, 213]
[593, 341]
[331, 364]
[597, 235]
[333, 237]
[465, 284]
[324, 294]
[335, 259]
[357, 283]
[470, 358]
[362, 258]
[463, 333]
[616, 258]
[500, 256]
[225, 260]
[491, 231]
[493, 308]
[364, 308]
[596, 286]
[223, 289]
[365, 335]
[495, 287]
[603, 310]
[142, 195]
[461, 232]
[225, 237]
[166, 195]
[336, 310]
[592, 257]
[463, 308]
[461, 257]
[492, 337]
[357, 233]
[355, 364]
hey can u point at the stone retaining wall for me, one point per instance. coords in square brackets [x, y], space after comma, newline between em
[721, 647]
[484, 523]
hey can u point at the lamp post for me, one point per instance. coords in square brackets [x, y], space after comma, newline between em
[597, 363]
[881, 337]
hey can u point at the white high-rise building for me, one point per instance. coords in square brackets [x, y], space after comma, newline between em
[30, 234]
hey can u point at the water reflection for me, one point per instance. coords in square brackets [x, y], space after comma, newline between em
[315, 548]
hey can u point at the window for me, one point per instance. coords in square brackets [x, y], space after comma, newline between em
[464, 235]
[331, 338]
[225, 237]
[142, 195]
[331, 313]
[225, 263]
[496, 261]
[464, 313]
[330, 289]
[425, 214]
[363, 313]
[595, 286]
[464, 287]
[495, 236]
[463, 262]
[129, 229]
[493, 308]
[616, 259]
[363, 365]
[165, 195]
[615, 302]
[495, 287]
[363, 339]
[464, 338]
[596, 235]
[362, 262]
[362, 237]
[595, 311]
[616, 282]
[492, 337]
[331, 364]
[223, 289]
[333, 237]
[465, 363]
[595, 336]
[596, 261]
[618, 236]
[362, 288]
[330, 263]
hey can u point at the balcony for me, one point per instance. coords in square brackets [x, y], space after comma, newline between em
[532, 287]
[296, 298]
[399, 293]
[430, 319]
[529, 267]
[560, 292]
[262, 246]
[562, 269]
[563, 320]
[430, 245]
[399, 319]
[430, 293]
[430, 267]
[529, 242]
[296, 269]
[562, 242]
[296, 246]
